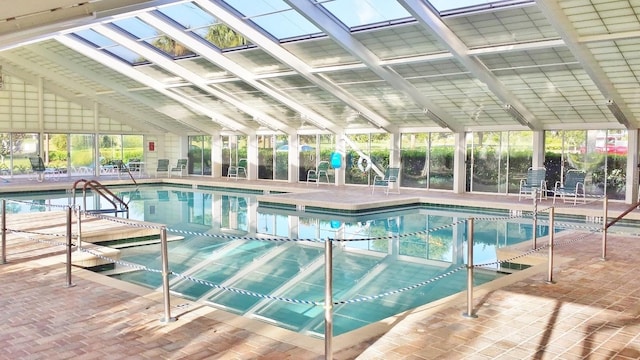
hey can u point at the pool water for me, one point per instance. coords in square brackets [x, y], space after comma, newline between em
[295, 269]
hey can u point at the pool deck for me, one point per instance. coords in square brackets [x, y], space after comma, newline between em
[591, 310]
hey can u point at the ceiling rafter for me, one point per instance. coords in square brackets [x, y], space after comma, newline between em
[432, 22]
[127, 70]
[343, 37]
[554, 13]
[171, 66]
[211, 54]
[267, 44]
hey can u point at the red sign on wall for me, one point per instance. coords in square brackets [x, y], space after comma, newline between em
[152, 146]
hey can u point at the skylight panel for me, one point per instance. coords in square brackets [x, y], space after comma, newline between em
[464, 6]
[147, 33]
[195, 19]
[107, 45]
[275, 17]
[354, 13]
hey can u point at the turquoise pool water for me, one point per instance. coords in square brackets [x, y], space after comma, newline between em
[295, 269]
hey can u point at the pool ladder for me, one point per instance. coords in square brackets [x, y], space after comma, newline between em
[119, 206]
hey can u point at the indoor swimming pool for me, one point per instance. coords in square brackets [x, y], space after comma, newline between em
[412, 245]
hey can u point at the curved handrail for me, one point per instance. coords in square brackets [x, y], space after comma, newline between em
[624, 213]
[100, 190]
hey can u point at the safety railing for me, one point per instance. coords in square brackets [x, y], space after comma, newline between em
[119, 205]
[329, 303]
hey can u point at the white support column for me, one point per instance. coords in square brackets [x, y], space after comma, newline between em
[631, 195]
[538, 149]
[252, 157]
[394, 159]
[459, 164]
[216, 155]
[341, 147]
[294, 159]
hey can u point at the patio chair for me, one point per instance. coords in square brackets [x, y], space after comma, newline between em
[535, 182]
[573, 187]
[235, 170]
[38, 168]
[322, 169]
[179, 168]
[163, 167]
[390, 179]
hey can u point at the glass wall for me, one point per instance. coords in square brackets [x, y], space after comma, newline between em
[234, 148]
[376, 147]
[307, 153]
[17, 148]
[273, 161]
[602, 154]
[427, 160]
[497, 160]
[199, 156]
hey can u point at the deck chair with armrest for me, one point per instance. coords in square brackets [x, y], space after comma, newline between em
[534, 183]
[321, 170]
[235, 170]
[573, 187]
[181, 165]
[163, 167]
[390, 179]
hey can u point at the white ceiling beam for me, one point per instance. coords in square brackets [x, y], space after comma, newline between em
[170, 65]
[432, 22]
[343, 37]
[213, 55]
[274, 49]
[127, 70]
[556, 16]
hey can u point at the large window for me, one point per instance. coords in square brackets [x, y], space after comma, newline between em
[602, 154]
[234, 148]
[374, 146]
[497, 160]
[199, 157]
[427, 160]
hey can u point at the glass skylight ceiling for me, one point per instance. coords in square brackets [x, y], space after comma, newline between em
[368, 11]
[108, 45]
[275, 17]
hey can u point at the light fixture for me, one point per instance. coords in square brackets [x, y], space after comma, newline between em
[431, 115]
[516, 115]
[617, 112]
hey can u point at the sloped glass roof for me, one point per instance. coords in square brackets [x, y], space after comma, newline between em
[369, 11]
[275, 17]
[193, 18]
[104, 43]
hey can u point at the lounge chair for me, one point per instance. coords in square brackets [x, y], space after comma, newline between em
[163, 167]
[38, 168]
[573, 187]
[534, 183]
[316, 174]
[390, 179]
[235, 170]
[179, 168]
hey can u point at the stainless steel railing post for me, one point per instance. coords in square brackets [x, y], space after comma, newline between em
[165, 275]
[3, 219]
[328, 299]
[605, 211]
[69, 245]
[535, 220]
[551, 236]
[469, 312]
[79, 227]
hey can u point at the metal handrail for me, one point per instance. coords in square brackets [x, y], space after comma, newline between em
[100, 190]
[624, 213]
